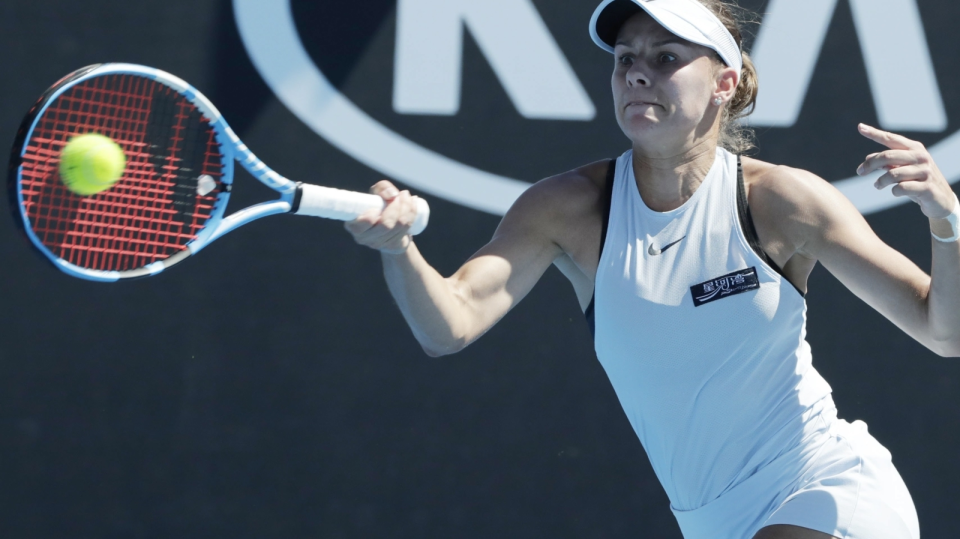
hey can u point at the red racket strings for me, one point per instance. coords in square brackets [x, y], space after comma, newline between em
[155, 209]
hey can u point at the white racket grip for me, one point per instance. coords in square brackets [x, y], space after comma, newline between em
[344, 205]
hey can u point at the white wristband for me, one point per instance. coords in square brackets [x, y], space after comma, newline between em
[954, 220]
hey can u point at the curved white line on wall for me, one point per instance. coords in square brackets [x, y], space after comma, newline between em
[270, 36]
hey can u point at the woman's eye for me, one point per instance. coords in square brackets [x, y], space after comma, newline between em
[666, 58]
[624, 60]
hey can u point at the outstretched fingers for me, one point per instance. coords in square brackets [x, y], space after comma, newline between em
[911, 171]
[887, 160]
[912, 190]
[888, 139]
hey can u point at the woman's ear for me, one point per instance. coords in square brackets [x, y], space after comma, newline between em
[727, 81]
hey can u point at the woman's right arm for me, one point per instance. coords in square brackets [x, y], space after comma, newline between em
[447, 314]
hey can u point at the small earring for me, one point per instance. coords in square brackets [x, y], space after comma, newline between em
[718, 101]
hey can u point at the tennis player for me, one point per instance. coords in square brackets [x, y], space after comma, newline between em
[692, 264]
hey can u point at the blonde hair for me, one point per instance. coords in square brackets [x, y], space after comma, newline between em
[734, 136]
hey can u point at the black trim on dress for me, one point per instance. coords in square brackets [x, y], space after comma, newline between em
[605, 208]
[750, 230]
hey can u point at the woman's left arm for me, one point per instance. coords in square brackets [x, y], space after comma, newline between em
[927, 307]
[913, 174]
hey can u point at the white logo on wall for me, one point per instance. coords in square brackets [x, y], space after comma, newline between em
[428, 58]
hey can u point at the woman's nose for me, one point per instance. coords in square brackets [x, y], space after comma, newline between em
[636, 77]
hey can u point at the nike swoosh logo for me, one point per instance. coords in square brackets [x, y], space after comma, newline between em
[653, 251]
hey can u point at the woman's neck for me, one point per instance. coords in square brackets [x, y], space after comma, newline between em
[667, 181]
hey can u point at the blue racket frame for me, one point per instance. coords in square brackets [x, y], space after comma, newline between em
[231, 148]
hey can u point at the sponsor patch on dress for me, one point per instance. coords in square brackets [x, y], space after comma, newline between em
[731, 284]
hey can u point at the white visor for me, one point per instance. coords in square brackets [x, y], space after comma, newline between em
[687, 19]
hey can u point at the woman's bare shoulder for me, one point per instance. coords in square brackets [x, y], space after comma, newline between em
[794, 206]
[573, 192]
[770, 175]
[587, 179]
[779, 188]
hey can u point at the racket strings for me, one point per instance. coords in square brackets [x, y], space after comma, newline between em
[155, 210]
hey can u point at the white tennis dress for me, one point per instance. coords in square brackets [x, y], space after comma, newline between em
[704, 343]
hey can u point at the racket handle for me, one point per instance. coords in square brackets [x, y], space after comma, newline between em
[348, 205]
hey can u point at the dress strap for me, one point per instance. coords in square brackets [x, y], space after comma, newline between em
[605, 204]
[749, 229]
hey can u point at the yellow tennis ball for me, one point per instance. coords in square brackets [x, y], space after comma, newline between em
[91, 163]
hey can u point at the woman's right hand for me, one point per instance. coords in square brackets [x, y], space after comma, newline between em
[448, 313]
[386, 230]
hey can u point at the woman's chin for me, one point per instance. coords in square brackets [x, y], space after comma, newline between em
[643, 128]
[641, 121]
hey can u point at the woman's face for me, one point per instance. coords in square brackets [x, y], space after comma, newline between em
[664, 87]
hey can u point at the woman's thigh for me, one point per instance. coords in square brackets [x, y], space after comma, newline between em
[783, 531]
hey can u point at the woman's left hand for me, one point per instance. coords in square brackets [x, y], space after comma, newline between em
[910, 170]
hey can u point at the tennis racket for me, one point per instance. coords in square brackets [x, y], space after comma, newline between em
[172, 198]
